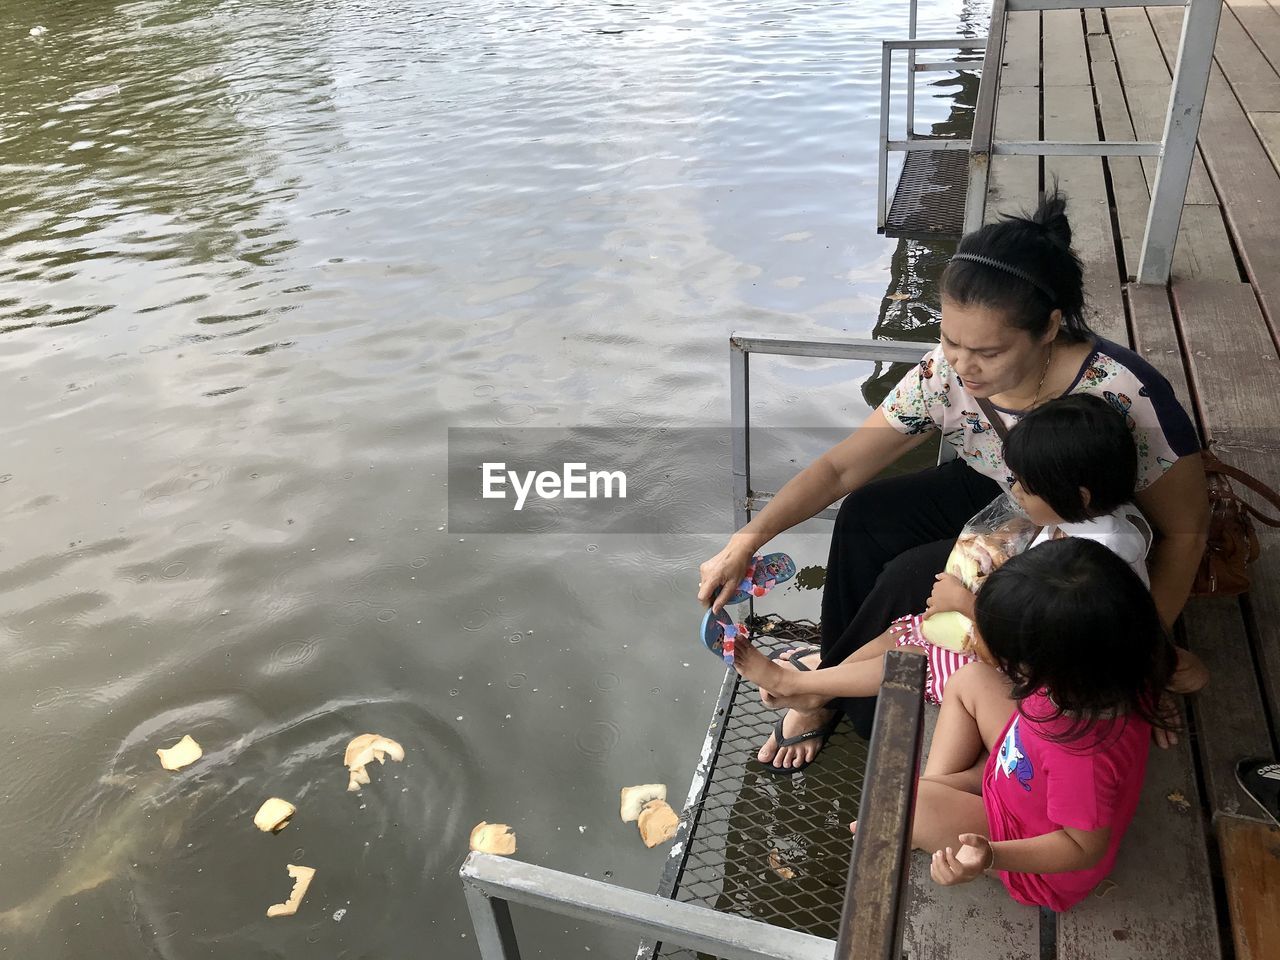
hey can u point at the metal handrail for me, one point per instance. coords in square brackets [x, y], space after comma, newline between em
[873, 918]
[1175, 150]
[741, 346]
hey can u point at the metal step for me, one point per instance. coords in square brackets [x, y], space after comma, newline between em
[929, 199]
[771, 848]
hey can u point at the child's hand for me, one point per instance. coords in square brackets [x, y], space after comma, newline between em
[975, 856]
[949, 593]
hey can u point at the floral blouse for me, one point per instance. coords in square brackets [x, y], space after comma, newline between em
[932, 397]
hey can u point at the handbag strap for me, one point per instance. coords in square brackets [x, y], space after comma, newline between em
[1213, 465]
[993, 417]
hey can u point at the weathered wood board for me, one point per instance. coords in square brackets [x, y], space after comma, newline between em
[1251, 873]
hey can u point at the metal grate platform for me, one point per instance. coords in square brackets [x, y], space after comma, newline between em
[929, 199]
[746, 828]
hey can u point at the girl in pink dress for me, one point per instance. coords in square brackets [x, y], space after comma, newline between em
[1037, 763]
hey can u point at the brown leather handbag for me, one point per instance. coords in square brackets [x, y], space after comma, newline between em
[1233, 543]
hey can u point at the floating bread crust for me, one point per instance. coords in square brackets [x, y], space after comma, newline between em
[497, 838]
[634, 799]
[274, 815]
[657, 823]
[182, 754]
[363, 750]
[780, 866]
[301, 880]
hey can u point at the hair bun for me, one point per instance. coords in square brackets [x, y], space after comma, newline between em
[1051, 218]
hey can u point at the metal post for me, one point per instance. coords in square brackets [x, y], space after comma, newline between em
[984, 122]
[1182, 125]
[911, 74]
[876, 892]
[740, 400]
[882, 193]
[491, 919]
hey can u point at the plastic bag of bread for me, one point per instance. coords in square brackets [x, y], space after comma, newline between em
[995, 533]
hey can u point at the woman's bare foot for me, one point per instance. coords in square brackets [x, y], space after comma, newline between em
[795, 723]
[853, 827]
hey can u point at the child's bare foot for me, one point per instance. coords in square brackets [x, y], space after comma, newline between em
[853, 827]
[804, 702]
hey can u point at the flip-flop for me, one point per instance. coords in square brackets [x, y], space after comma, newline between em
[823, 733]
[763, 575]
[797, 656]
[1261, 780]
[719, 633]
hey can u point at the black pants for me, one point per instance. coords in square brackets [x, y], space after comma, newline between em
[891, 538]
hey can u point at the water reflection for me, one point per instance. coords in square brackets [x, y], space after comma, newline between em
[257, 257]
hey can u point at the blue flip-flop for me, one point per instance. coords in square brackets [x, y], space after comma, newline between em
[718, 633]
[763, 575]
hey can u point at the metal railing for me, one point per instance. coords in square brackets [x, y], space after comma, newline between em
[741, 346]
[1175, 149]
[875, 894]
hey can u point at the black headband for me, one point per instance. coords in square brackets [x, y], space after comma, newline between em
[1009, 269]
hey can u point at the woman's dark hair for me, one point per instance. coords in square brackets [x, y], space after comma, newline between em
[1070, 618]
[1074, 441]
[1037, 246]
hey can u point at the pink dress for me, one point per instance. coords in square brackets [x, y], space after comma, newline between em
[1035, 786]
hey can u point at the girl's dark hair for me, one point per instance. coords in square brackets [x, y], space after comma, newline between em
[1037, 245]
[1070, 618]
[1074, 441]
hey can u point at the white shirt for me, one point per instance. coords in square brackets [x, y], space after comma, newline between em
[1125, 533]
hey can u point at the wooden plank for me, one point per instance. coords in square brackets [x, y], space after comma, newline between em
[1015, 181]
[1066, 58]
[1204, 249]
[1251, 874]
[1093, 22]
[1250, 74]
[1139, 54]
[1100, 48]
[1021, 37]
[1262, 23]
[1235, 372]
[1148, 107]
[1147, 82]
[1245, 179]
[1268, 127]
[1155, 337]
[1230, 721]
[976, 919]
[1069, 115]
[1262, 609]
[1161, 904]
[1233, 363]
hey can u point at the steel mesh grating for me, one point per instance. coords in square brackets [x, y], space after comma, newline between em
[929, 199]
[754, 826]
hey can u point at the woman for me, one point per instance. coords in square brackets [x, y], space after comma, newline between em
[1013, 335]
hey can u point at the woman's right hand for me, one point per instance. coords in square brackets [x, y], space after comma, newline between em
[719, 577]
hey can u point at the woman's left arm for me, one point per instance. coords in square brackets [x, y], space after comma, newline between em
[1178, 507]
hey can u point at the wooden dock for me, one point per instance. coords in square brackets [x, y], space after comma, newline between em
[1213, 333]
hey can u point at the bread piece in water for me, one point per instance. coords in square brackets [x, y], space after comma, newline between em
[657, 823]
[634, 799]
[496, 838]
[182, 754]
[302, 877]
[363, 750]
[274, 815]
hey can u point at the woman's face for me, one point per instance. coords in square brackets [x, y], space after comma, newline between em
[988, 353]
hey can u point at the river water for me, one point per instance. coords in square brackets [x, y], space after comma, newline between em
[258, 257]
